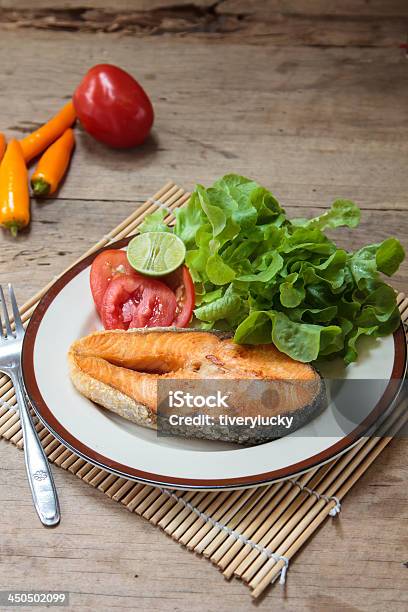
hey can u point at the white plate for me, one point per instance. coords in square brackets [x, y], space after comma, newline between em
[67, 312]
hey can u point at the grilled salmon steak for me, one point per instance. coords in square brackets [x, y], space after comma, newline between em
[121, 371]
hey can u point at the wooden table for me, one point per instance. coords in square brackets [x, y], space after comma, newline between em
[310, 98]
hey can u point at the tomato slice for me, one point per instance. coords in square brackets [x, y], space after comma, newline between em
[146, 301]
[137, 301]
[106, 266]
[181, 283]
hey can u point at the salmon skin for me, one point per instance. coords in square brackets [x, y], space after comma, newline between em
[120, 370]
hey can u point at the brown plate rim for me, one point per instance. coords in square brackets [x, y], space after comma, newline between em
[65, 437]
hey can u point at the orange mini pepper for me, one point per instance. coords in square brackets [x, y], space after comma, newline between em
[2, 145]
[52, 165]
[35, 143]
[14, 192]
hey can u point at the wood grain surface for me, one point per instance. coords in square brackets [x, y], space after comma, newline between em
[310, 98]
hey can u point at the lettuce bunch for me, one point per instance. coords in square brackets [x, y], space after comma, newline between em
[271, 279]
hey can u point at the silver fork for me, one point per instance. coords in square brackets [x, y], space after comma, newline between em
[38, 470]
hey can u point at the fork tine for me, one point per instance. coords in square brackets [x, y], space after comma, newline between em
[16, 313]
[5, 313]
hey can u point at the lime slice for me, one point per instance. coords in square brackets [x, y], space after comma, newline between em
[156, 253]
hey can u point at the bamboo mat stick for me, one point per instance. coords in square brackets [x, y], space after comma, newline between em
[222, 542]
[176, 200]
[160, 506]
[158, 514]
[274, 530]
[90, 475]
[63, 457]
[275, 538]
[83, 470]
[74, 467]
[154, 493]
[233, 503]
[160, 517]
[124, 489]
[354, 451]
[223, 555]
[192, 523]
[170, 508]
[137, 501]
[155, 507]
[132, 493]
[95, 482]
[105, 484]
[253, 528]
[163, 505]
[216, 549]
[261, 584]
[66, 463]
[178, 513]
[367, 453]
[201, 502]
[403, 306]
[229, 511]
[128, 488]
[113, 487]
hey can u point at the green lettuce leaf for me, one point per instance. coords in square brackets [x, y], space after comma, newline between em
[221, 308]
[272, 279]
[389, 256]
[154, 222]
[341, 213]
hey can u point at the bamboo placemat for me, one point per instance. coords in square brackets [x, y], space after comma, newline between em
[251, 534]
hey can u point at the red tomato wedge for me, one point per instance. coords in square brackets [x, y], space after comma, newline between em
[181, 283]
[137, 301]
[145, 301]
[106, 266]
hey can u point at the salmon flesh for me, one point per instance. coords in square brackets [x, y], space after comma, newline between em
[126, 367]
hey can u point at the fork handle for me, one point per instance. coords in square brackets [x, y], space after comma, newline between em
[38, 470]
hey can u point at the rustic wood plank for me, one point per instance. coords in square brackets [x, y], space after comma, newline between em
[298, 23]
[317, 8]
[364, 8]
[132, 565]
[120, 5]
[318, 125]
